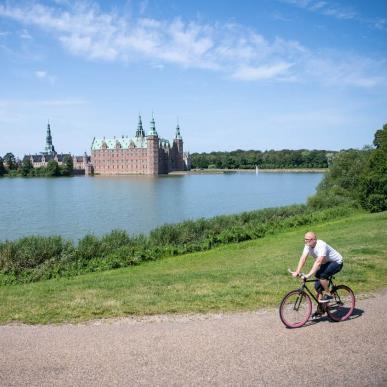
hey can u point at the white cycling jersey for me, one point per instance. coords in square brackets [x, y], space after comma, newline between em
[322, 249]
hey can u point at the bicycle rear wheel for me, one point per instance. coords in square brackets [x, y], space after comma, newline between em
[343, 303]
[295, 309]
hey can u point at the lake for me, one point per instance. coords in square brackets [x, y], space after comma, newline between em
[74, 207]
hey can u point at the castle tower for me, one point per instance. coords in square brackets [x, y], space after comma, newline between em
[140, 131]
[49, 148]
[179, 139]
[153, 149]
[86, 164]
[178, 150]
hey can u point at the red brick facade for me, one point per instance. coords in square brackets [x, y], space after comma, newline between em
[141, 155]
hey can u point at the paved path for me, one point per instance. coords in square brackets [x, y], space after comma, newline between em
[244, 349]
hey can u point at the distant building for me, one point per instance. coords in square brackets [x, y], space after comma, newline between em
[142, 154]
[81, 164]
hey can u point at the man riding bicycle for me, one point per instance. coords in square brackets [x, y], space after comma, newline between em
[327, 262]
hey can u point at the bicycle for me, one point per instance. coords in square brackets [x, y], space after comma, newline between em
[296, 307]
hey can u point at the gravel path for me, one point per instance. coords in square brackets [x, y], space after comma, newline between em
[243, 349]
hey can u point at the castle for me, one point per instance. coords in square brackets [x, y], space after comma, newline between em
[144, 154]
[141, 155]
[81, 164]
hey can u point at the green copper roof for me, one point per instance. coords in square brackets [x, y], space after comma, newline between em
[49, 148]
[140, 131]
[178, 135]
[164, 143]
[123, 142]
[152, 131]
[139, 141]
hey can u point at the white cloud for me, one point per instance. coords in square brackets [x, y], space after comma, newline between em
[380, 24]
[277, 71]
[24, 34]
[279, 16]
[40, 74]
[85, 45]
[44, 75]
[234, 50]
[143, 6]
[325, 8]
[334, 70]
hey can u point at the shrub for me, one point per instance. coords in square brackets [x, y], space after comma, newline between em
[376, 203]
[88, 248]
[30, 252]
[328, 199]
[36, 258]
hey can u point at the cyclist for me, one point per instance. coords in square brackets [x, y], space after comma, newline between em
[327, 262]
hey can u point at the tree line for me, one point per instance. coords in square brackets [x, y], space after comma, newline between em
[240, 159]
[11, 166]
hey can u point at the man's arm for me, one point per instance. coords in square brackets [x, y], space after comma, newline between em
[317, 263]
[301, 264]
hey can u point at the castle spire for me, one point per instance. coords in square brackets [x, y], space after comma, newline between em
[48, 136]
[152, 131]
[49, 148]
[178, 135]
[140, 130]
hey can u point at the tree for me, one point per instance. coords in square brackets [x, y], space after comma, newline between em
[52, 168]
[346, 171]
[2, 169]
[358, 177]
[26, 166]
[285, 158]
[342, 182]
[380, 139]
[68, 166]
[373, 188]
[10, 161]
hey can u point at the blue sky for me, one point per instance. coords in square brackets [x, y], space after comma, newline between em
[235, 74]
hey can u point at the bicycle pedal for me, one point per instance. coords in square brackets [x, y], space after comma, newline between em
[321, 309]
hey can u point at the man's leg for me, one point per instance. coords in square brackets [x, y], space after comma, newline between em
[325, 284]
[329, 269]
[319, 286]
[320, 309]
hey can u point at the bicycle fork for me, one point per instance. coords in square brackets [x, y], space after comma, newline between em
[298, 301]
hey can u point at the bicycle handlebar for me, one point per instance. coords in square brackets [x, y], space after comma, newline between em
[302, 275]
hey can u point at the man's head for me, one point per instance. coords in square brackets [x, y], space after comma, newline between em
[310, 239]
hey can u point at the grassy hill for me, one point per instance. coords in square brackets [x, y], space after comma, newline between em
[236, 277]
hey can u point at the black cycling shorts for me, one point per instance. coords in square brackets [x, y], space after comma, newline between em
[326, 270]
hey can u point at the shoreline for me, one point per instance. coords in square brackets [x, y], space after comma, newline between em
[271, 170]
[196, 171]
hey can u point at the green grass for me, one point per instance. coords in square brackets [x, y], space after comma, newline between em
[236, 277]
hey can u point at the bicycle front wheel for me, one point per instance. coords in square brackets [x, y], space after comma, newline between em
[295, 309]
[343, 303]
